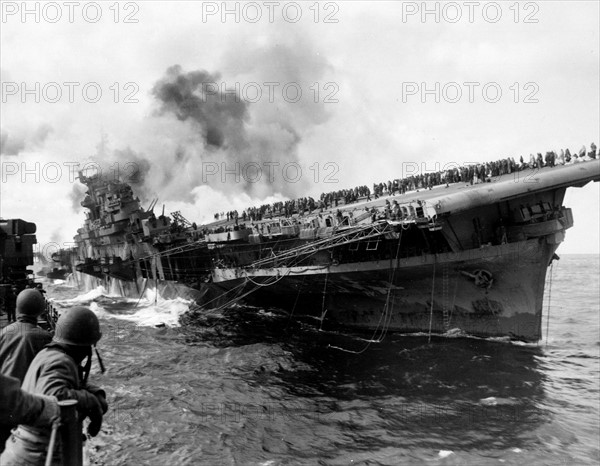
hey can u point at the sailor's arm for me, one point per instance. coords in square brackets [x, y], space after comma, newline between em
[19, 407]
[61, 380]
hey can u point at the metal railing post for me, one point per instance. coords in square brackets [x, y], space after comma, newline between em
[70, 434]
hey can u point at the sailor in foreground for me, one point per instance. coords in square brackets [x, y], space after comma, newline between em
[57, 371]
[20, 342]
[18, 406]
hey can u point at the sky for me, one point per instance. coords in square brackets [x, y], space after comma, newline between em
[212, 106]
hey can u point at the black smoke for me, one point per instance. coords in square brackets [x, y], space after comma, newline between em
[133, 168]
[123, 165]
[199, 96]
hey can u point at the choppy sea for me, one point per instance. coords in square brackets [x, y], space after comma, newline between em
[250, 386]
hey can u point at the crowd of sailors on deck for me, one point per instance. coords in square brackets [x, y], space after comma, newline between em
[472, 174]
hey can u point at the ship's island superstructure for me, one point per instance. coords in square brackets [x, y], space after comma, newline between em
[462, 255]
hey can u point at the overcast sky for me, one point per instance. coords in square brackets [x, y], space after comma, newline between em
[333, 95]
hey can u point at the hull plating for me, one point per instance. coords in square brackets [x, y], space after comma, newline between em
[492, 291]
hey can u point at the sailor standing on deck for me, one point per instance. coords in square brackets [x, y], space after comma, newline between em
[10, 302]
[57, 371]
[21, 341]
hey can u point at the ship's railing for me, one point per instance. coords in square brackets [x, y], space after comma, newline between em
[51, 314]
[346, 236]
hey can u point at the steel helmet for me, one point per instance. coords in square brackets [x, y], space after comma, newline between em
[30, 303]
[77, 326]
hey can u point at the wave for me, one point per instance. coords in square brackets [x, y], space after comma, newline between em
[149, 310]
[84, 298]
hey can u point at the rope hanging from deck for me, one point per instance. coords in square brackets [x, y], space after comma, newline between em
[237, 298]
[549, 299]
[323, 310]
[432, 291]
[386, 315]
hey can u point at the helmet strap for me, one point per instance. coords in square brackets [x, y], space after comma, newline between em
[102, 369]
[87, 367]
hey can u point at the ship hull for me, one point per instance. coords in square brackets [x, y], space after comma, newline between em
[429, 293]
[491, 291]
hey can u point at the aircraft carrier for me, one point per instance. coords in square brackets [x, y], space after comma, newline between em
[467, 255]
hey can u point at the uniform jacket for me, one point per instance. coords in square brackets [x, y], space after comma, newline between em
[19, 343]
[54, 373]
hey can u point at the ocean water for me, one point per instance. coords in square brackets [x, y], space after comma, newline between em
[250, 386]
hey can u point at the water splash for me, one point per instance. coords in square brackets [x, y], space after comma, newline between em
[85, 298]
[151, 310]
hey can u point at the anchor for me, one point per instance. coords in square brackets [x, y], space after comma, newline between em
[483, 278]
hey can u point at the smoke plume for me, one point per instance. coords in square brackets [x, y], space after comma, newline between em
[197, 95]
[228, 131]
[201, 119]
